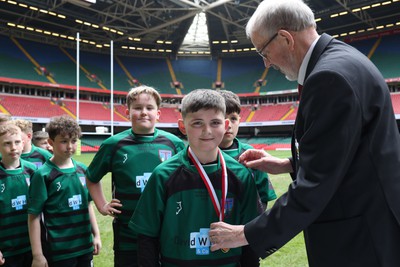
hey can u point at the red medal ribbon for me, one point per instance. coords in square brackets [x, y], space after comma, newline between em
[219, 209]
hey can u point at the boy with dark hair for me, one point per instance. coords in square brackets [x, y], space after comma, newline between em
[15, 174]
[233, 147]
[194, 188]
[58, 189]
[131, 157]
[31, 152]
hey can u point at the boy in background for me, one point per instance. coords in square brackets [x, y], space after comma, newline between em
[15, 175]
[30, 152]
[58, 189]
[194, 188]
[131, 157]
[41, 139]
[233, 147]
[4, 118]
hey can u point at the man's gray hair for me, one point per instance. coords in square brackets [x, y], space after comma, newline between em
[273, 15]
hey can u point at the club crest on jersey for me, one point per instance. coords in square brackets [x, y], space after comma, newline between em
[228, 206]
[164, 154]
[18, 202]
[83, 180]
[200, 241]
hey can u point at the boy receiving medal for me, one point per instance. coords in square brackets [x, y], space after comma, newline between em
[197, 186]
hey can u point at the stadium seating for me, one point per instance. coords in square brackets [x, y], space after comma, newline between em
[169, 115]
[30, 106]
[271, 112]
[396, 102]
[387, 56]
[91, 110]
[195, 73]
[15, 64]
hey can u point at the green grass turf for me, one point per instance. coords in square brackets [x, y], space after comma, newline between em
[291, 255]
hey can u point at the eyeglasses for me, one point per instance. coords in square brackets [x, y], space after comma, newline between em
[265, 46]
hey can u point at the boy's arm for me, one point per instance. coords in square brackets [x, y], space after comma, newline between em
[95, 230]
[148, 251]
[34, 236]
[104, 207]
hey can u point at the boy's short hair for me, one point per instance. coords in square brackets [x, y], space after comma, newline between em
[4, 118]
[143, 89]
[63, 125]
[24, 125]
[232, 101]
[39, 135]
[202, 99]
[9, 128]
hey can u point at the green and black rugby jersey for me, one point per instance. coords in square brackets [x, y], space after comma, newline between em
[176, 208]
[62, 196]
[14, 184]
[37, 155]
[131, 159]
[264, 186]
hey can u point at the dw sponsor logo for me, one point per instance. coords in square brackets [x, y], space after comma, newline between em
[18, 202]
[75, 201]
[141, 181]
[200, 241]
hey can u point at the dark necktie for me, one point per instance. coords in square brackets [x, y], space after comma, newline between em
[299, 88]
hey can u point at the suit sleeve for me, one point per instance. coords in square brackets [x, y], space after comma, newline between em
[330, 126]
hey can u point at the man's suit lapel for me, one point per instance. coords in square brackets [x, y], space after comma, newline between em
[319, 48]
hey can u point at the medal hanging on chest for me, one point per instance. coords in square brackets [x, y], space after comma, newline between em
[219, 208]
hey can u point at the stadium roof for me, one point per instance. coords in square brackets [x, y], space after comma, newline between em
[159, 27]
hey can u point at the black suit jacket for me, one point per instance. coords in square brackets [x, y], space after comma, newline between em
[345, 193]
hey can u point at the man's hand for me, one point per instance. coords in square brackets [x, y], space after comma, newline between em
[223, 235]
[261, 160]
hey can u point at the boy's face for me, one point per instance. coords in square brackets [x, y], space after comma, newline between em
[44, 143]
[64, 147]
[143, 113]
[204, 129]
[233, 128]
[11, 146]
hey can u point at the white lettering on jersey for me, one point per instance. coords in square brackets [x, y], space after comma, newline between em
[178, 207]
[200, 241]
[58, 186]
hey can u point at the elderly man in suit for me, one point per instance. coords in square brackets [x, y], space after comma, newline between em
[345, 162]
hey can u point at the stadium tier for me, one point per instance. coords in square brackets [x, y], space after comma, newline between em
[33, 61]
[44, 107]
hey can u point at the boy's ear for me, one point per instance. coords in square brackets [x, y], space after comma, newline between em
[127, 112]
[50, 141]
[226, 124]
[181, 126]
